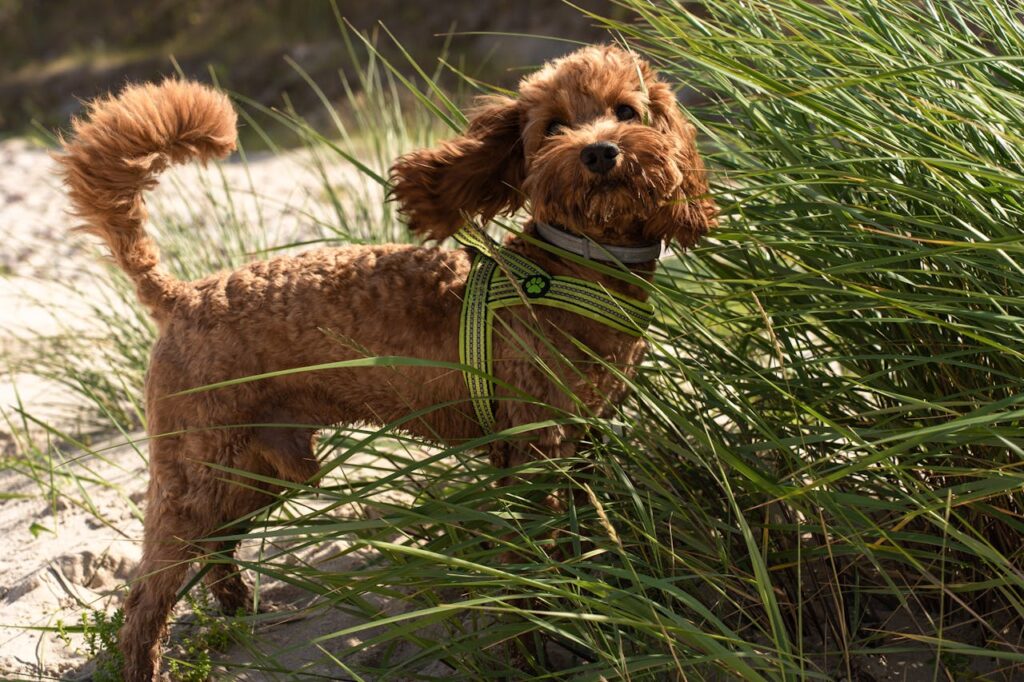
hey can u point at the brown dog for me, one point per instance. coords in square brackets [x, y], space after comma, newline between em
[594, 144]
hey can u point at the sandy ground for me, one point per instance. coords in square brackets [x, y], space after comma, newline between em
[63, 555]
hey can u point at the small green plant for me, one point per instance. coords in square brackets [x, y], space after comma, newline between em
[210, 632]
[100, 633]
[101, 642]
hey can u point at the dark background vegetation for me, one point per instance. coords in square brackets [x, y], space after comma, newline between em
[55, 53]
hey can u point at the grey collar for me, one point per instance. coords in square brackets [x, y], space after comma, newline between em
[591, 250]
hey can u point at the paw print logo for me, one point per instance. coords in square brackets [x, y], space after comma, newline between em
[536, 286]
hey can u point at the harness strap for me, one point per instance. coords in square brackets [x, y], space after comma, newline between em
[475, 339]
[489, 288]
[476, 239]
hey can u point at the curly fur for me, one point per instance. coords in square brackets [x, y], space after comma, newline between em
[116, 155]
[392, 300]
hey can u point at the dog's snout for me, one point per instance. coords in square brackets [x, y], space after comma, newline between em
[600, 157]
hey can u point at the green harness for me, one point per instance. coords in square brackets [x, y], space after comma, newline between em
[500, 278]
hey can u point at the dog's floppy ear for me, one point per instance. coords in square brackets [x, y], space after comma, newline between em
[478, 174]
[690, 213]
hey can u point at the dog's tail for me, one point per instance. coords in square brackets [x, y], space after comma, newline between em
[115, 155]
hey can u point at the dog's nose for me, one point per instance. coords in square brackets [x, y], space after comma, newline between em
[600, 156]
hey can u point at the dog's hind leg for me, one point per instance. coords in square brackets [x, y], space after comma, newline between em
[288, 456]
[165, 560]
[188, 500]
[224, 579]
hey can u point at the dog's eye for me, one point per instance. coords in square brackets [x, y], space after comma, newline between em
[624, 112]
[554, 128]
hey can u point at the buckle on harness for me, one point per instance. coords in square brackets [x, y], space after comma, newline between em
[536, 286]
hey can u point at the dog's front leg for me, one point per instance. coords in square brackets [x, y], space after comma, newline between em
[511, 456]
[551, 443]
[528, 649]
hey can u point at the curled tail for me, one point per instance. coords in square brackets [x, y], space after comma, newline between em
[116, 153]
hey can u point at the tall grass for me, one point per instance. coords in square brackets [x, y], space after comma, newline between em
[820, 473]
[841, 366]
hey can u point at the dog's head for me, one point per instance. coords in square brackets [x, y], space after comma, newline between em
[594, 143]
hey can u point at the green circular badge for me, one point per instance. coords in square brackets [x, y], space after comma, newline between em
[536, 286]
